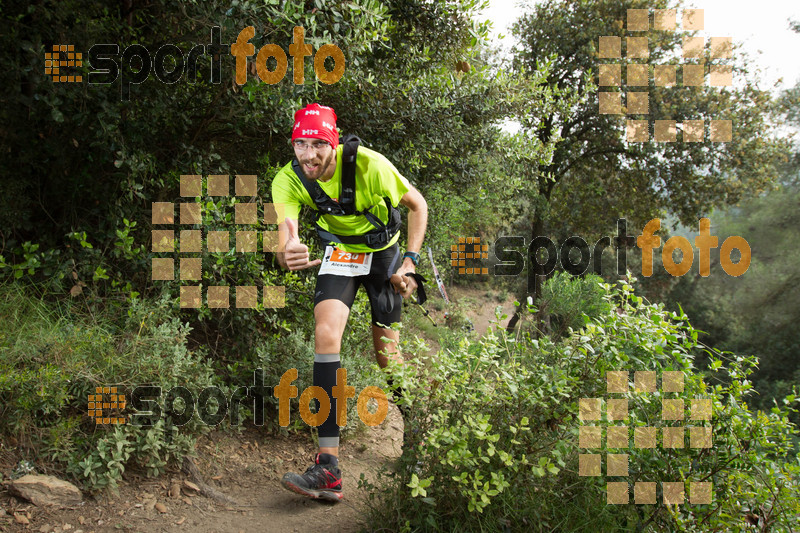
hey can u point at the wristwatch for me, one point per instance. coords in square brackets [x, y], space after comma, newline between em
[414, 256]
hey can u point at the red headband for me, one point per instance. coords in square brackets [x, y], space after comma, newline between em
[316, 122]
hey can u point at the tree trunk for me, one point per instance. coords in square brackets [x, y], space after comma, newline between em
[537, 229]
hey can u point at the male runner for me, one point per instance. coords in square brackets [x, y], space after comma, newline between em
[361, 250]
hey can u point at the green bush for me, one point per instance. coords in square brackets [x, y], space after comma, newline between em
[571, 301]
[55, 353]
[53, 358]
[497, 442]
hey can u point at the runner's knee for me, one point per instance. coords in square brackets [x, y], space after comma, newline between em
[328, 334]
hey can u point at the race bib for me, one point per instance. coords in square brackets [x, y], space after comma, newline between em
[343, 263]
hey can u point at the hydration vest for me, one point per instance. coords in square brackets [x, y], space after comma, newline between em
[376, 238]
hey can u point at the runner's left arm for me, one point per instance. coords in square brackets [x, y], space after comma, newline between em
[417, 223]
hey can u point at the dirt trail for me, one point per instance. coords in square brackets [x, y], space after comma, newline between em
[246, 468]
[480, 308]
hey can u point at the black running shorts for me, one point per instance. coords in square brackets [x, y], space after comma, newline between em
[384, 302]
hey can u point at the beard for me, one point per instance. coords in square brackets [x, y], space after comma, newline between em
[317, 167]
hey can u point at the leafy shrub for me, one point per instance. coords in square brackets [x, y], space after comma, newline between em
[497, 425]
[54, 355]
[53, 358]
[569, 301]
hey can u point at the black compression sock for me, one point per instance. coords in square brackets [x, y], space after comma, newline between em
[325, 367]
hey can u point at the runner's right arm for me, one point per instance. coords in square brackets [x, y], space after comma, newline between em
[292, 254]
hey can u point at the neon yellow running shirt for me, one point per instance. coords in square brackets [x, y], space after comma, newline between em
[376, 178]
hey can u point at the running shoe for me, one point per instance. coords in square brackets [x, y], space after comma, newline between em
[322, 480]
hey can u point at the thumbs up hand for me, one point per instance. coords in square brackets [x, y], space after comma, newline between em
[296, 253]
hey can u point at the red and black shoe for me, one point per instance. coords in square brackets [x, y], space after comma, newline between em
[322, 480]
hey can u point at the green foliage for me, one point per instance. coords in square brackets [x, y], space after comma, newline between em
[55, 355]
[86, 161]
[570, 302]
[594, 171]
[77, 216]
[53, 358]
[151, 449]
[497, 425]
[109, 159]
[88, 165]
[497, 433]
[756, 312]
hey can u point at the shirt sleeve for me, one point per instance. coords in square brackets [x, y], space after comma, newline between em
[284, 193]
[394, 185]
